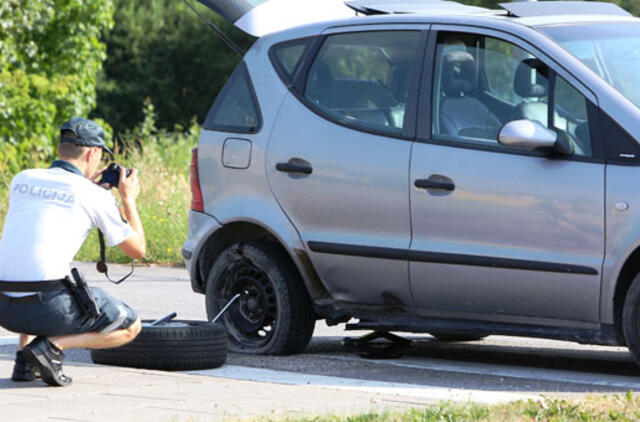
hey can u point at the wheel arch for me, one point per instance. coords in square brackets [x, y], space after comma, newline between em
[629, 270]
[241, 231]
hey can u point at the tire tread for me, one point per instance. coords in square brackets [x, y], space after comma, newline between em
[195, 345]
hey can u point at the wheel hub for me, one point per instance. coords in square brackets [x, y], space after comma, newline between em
[255, 313]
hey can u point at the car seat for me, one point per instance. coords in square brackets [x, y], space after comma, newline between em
[531, 82]
[461, 114]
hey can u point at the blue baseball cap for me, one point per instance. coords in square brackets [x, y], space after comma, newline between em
[87, 133]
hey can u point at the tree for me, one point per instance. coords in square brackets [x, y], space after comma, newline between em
[160, 50]
[50, 54]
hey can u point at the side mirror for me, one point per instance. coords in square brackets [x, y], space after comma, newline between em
[530, 135]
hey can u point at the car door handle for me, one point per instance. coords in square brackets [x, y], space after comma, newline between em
[440, 182]
[294, 168]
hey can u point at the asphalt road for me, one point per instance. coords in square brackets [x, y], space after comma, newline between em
[496, 364]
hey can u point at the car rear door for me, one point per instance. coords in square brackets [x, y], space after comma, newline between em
[262, 17]
[338, 159]
[501, 234]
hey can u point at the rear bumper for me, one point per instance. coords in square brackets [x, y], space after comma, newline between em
[200, 228]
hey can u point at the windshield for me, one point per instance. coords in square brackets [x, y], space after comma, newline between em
[611, 50]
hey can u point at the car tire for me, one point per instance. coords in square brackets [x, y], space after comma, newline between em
[171, 346]
[274, 315]
[458, 336]
[631, 319]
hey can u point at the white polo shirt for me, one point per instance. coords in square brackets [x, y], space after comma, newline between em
[51, 212]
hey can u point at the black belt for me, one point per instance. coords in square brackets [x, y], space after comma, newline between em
[32, 286]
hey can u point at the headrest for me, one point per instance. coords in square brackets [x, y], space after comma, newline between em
[458, 73]
[528, 86]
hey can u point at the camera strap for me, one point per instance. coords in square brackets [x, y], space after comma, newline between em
[101, 266]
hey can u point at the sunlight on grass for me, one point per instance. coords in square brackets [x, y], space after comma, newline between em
[622, 408]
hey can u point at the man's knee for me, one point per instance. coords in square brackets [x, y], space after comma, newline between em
[133, 330]
[123, 336]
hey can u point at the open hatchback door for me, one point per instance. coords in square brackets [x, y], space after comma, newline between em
[262, 17]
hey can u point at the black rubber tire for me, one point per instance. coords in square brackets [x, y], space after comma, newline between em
[458, 336]
[176, 345]
[631, 319]
[294, 318]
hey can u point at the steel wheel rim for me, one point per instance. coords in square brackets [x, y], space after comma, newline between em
[252, 319]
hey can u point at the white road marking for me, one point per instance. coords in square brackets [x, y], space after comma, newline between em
[364, 386]
[506, 371]
[8, 340]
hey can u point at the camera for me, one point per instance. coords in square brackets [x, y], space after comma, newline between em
[111, 175]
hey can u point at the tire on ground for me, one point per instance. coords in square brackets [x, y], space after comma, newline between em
[631, 319]
[265, 273]
[171, 346]
[458, 336]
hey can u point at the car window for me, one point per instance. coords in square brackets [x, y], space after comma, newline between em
[571, 115]
[362, 79]
[481, 83]
[236, 107]
[500, 62]
[287, 56]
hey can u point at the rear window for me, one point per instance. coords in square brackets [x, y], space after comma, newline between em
[236, 108]
[287, 57]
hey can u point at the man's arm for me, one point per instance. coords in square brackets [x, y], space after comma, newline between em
[135, 245]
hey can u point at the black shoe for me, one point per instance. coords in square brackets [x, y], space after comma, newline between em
[23, 370]
[48, 359]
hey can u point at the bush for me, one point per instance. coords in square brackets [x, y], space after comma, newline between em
[50, 55]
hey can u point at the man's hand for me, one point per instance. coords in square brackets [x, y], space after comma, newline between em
[95, 177]
[129, 186]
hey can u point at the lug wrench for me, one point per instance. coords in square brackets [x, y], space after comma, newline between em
[233, 299]
[165, 318]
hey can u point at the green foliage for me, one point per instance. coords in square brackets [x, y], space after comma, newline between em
[160, 49]
[600, 408]
[50, 54]
[163, 159]
[447, 411]
[632, 6]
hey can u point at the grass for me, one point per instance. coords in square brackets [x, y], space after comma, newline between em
[163, 160]
[620, 408]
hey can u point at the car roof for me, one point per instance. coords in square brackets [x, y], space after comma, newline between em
[490, 19]
[265, 17]
[529, 13]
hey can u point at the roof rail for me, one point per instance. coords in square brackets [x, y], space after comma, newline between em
[529, 8]
[385, 7]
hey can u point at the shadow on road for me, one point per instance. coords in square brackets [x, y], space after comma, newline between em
[479, 365]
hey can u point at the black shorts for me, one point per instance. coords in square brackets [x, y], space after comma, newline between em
[57, 314]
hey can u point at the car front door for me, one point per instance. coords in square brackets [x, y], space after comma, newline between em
[501, 234]
[338, 160]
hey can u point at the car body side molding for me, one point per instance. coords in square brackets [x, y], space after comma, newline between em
[448, 258]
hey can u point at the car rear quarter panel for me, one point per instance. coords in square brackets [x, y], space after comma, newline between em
[243, 195]
[231, 193]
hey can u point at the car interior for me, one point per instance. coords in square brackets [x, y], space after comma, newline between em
[477, 90]
[362, 83]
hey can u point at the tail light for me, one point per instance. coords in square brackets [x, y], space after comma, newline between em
[196, 193]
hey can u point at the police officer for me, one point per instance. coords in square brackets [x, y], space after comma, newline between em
[51, 212]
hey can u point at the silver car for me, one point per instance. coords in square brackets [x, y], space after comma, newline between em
[423, 167]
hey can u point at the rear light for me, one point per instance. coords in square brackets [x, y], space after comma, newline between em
[196, 193]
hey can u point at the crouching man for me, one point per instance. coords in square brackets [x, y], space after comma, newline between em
[51, 212]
